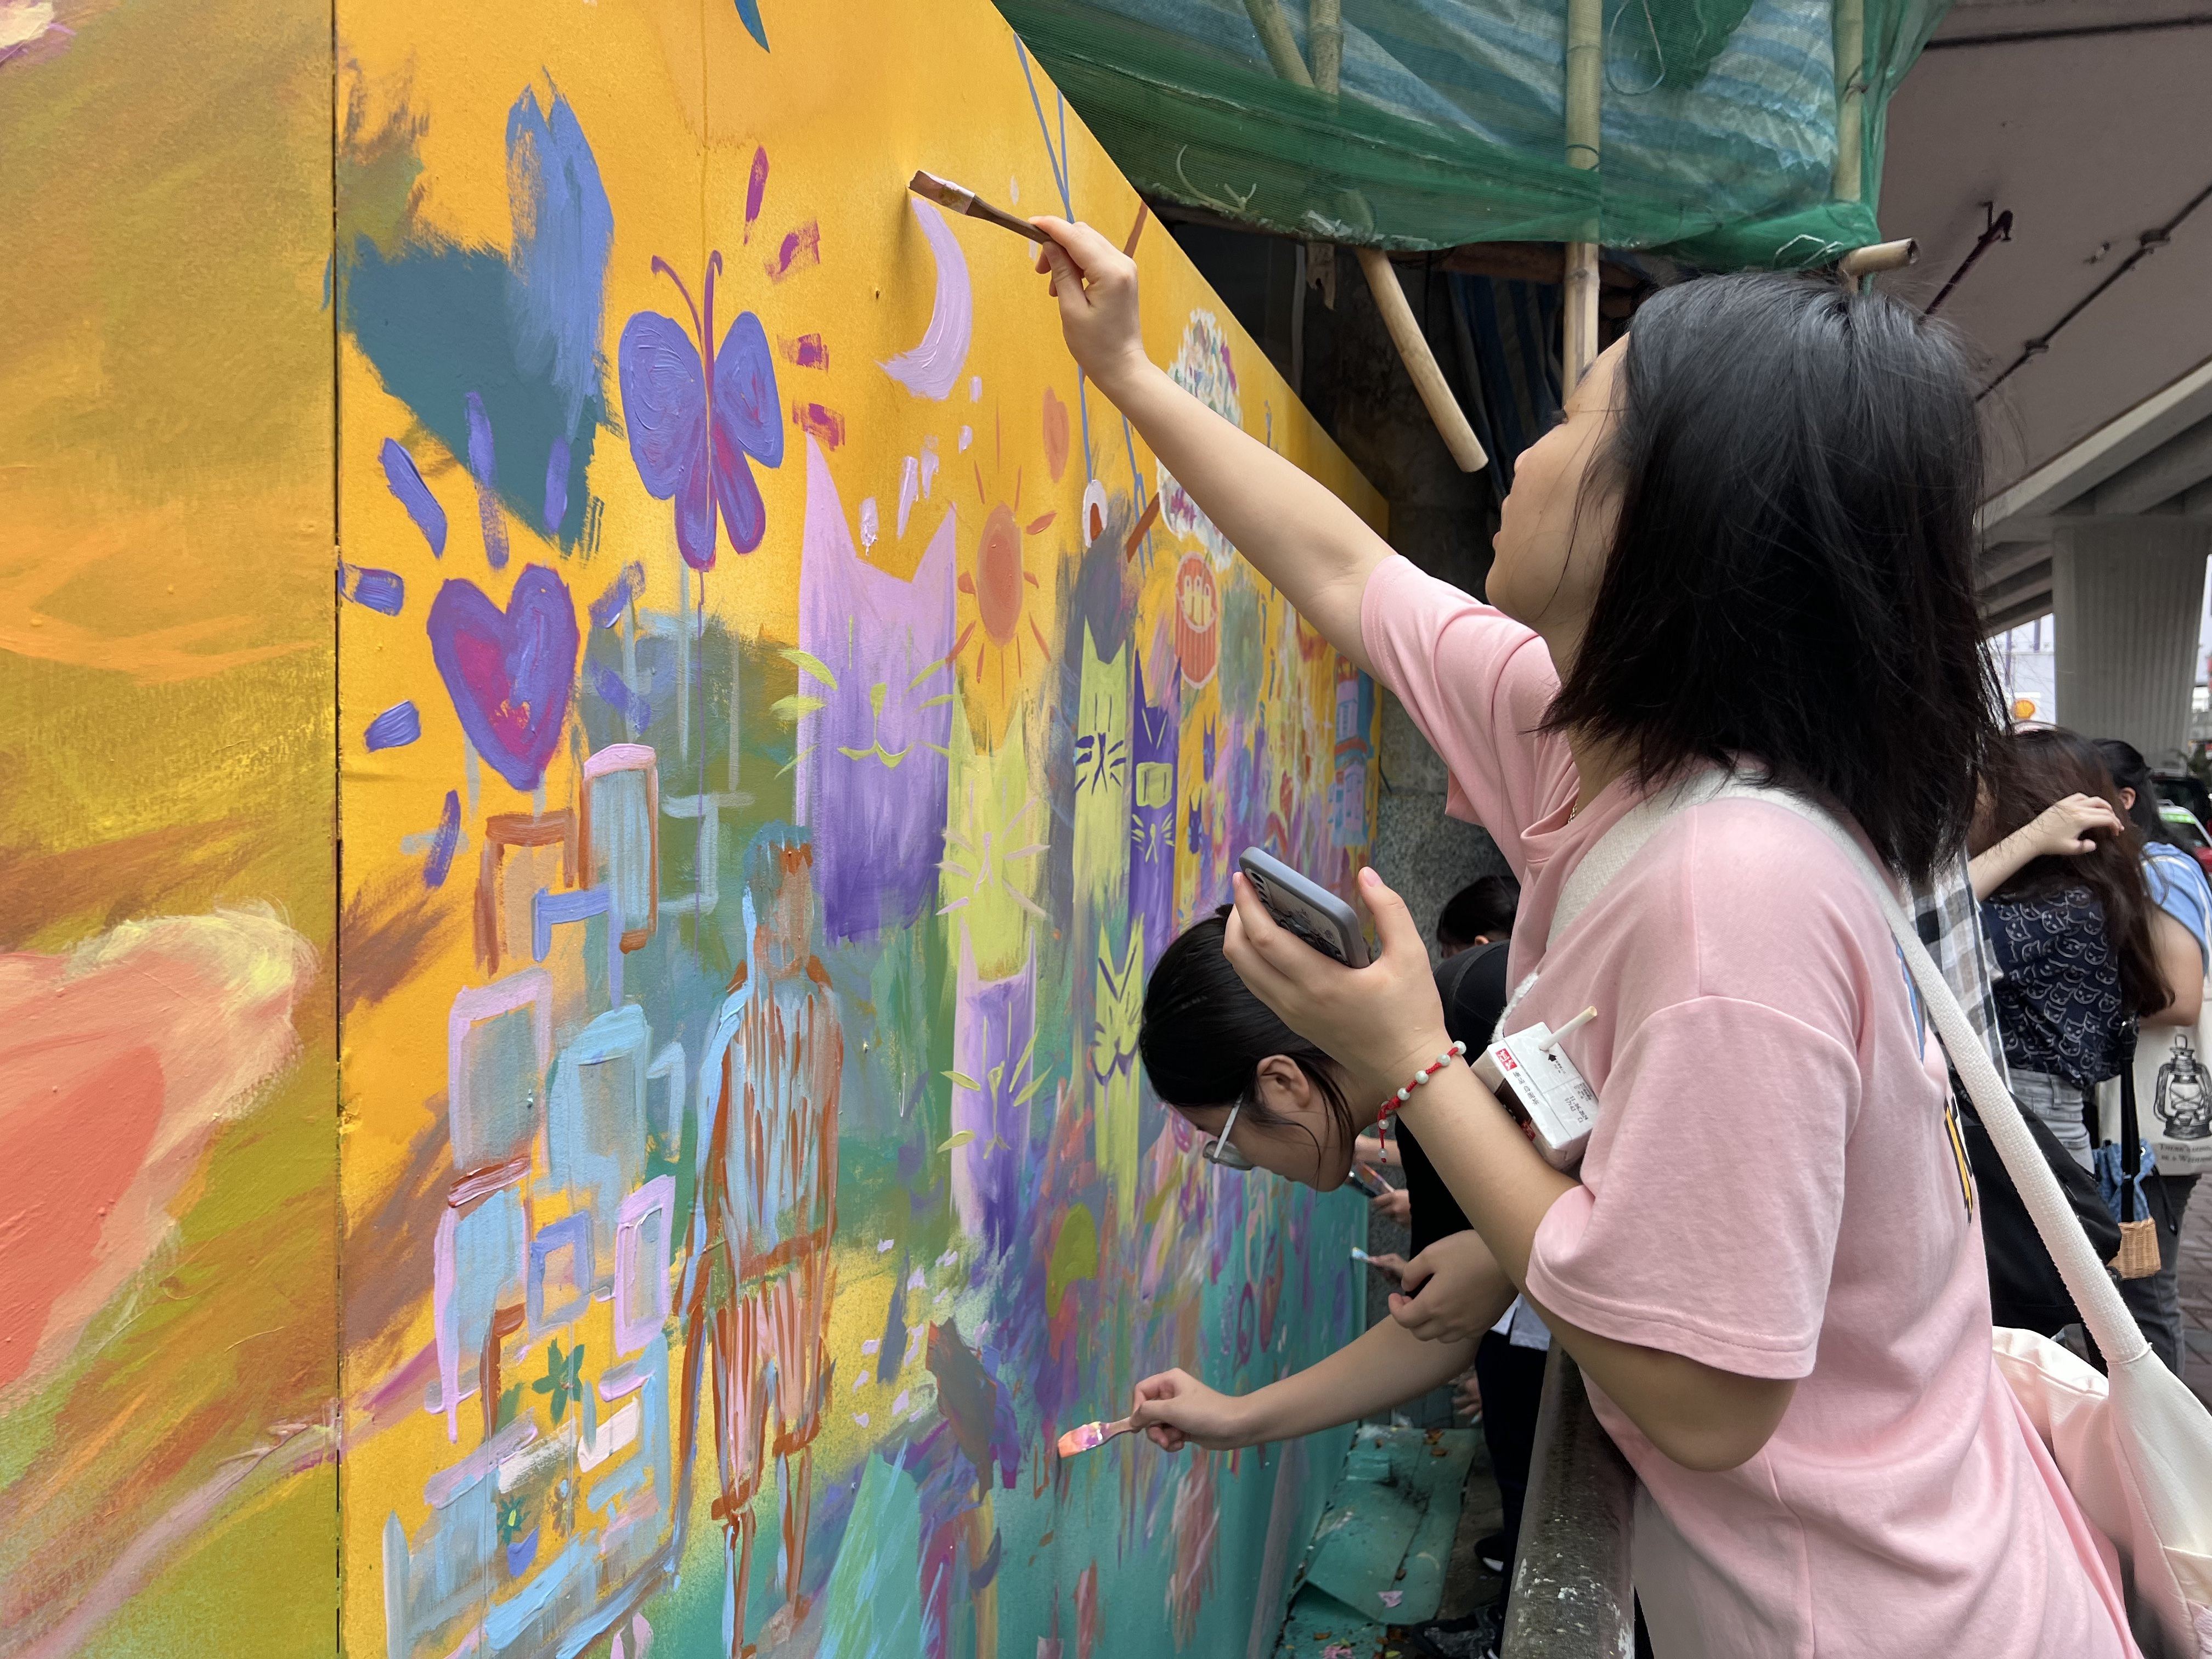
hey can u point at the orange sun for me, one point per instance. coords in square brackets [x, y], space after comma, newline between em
[1003, 585]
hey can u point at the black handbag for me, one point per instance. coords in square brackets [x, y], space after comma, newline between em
[2025, 1288]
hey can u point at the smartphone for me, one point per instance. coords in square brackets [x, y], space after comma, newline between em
[1305, 908]
[1369, 1183]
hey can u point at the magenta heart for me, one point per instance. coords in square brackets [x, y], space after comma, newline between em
[510, 672]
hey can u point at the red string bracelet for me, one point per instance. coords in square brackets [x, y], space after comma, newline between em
[1390, 1106]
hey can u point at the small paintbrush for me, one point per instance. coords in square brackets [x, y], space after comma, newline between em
[1092, 1435]
[959, 198]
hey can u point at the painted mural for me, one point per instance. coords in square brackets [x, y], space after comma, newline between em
[780, 712]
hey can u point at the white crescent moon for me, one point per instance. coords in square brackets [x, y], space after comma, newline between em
[932, 367]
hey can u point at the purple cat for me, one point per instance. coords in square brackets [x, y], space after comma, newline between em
[875, 696]
[1153, 737]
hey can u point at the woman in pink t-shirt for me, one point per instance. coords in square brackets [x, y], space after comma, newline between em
[1748, 542]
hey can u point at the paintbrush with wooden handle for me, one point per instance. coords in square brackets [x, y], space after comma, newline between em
[959, 198]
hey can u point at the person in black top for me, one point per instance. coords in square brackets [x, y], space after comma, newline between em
[1266, 1099]
[1480, 913]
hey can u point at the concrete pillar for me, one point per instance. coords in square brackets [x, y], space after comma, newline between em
[2129, 593]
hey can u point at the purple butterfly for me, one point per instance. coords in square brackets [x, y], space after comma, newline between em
[692, 427]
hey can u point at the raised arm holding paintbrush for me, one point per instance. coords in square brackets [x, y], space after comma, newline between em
[1294, 531]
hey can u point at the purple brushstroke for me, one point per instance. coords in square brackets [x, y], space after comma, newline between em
[405, 481]
[932, 367]
[871, 781]
[802, 247]
[484, 469]
[635, 707]
[448, 837]
[1154, 740]
[755, 187]
[556, 485]
[395, 728]
[994, 1047]
[625, 587]
[510, 672]
[381, 591]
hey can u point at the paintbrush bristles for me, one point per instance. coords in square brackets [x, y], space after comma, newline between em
[1092, 1435]
[959, 198]
[943, 192]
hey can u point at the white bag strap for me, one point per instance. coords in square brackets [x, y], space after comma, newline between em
[2095, 1297]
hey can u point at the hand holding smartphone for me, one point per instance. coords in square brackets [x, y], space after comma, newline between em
[1305, 908]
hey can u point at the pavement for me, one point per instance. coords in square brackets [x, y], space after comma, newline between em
[2196, 1279]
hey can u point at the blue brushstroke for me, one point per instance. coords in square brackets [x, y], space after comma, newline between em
[438, 321]
[1044, 127]
[395, 728]
[749, 14]
[624, 588]
[405, 479]
[508, 1623]
[556, 276]
[440, 861]
[381, 591]
[636, 707]
[484, 466]
[890, 1357]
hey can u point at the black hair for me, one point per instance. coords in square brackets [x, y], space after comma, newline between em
[1203, 1033]
[2032, 769]
[1791, 582]
[1485, 906]
[2130, 770]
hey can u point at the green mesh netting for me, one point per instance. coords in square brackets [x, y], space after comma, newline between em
[1718, 130]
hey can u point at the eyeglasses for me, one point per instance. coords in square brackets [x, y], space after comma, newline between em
[1217, 1148]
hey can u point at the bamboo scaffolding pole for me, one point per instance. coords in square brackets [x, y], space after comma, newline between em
[1276, 40]
[1879, 256]
[1325, 37]
[1850, 100]
[1585, 83]
[1437, 395]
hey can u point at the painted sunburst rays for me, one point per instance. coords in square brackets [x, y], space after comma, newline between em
[1003, 593]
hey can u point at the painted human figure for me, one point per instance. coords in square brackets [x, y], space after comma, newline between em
[773, 1184]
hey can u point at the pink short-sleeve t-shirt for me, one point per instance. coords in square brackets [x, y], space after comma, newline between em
[1773, 1187]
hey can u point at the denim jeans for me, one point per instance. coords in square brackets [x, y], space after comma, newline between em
[2059, 1102]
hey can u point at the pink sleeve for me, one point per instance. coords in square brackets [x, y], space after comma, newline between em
[1477, 685]
[1706, 1225]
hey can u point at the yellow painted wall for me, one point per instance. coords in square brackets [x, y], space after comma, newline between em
[865, 1117]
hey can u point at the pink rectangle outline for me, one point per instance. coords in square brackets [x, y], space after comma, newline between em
[531, 988]
[634, 1327]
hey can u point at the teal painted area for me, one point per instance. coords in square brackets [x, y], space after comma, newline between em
[871, 1611]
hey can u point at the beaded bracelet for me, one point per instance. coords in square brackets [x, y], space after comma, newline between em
[1390, 1106]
